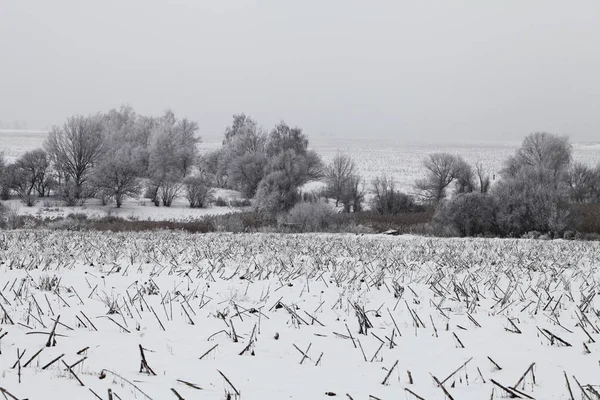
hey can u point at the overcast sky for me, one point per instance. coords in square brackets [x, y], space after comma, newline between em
[412, 70]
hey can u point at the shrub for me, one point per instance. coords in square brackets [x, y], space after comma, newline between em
[277, 192]
[585, 218]
[531, 201]
[230, 223]
[309, 217]
[199, 194]
[387, 200]
[240, 203]
[220, 202]
[469, 214]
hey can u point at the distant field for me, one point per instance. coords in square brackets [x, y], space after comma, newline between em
[404, 162]
[374, 157]
[13, 143]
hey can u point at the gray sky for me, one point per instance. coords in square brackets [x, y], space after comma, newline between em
[413, 70]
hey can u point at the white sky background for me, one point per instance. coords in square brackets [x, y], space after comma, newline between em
[412, 70]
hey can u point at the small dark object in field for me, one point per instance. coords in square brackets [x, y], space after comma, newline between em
[253, 311]
[276, 337]
[102, 375]
[330, 394]
[290, 284]
[242, 277]
[278, 306]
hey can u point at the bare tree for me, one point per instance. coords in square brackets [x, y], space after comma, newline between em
[483, 179]
[441, 171]
[75, 148]
[338, 175]
[583, 183]
[387, 200]
[353, 194]
[199, 193]
[4, 179]
[31, 175]
[464, 176]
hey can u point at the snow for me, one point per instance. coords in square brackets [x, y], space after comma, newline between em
[132, 209]
[273, 285]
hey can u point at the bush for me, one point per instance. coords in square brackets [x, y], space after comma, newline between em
[309, 217]
[73, 195]
[199, 194]
[531, 201]
[277, 192]
[388, 200]
[240, 203]
[585, 218]
[469, 214]
[220, 202]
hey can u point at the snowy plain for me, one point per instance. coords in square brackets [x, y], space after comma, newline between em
[264, 316]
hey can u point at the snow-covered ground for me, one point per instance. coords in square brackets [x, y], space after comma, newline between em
[132, 209]
[260, 316]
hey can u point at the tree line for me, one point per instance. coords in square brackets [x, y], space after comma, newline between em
[539, 191]
[121, 154]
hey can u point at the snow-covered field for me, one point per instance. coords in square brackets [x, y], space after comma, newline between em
[132, 209]
[404, 162]
[260, 316]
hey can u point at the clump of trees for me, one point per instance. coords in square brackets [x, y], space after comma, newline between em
[443, 170]
[109, 156]
[344, 184]
[269, 167]
[120, 154]
[538, 186]
[387, 200]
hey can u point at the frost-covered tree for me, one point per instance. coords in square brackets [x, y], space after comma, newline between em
[541, 150]
[246, 172]
[173, 149]
[117, 175]
[283, 138]
[198, 191]
[242, 125]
